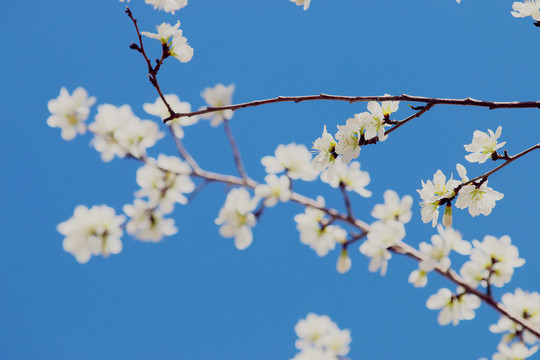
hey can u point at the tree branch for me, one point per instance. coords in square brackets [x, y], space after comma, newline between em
[353, 99]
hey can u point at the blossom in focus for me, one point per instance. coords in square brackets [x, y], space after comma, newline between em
[527, 8]
[389, 107]
[393, 208]
[169, 6]
[236, 217]
[479, 200]
[275, 189]
[376, 124]
[217, 96]
[348, 137]
[522, 304]
[350, 176]
[159, 109]
[94, 231]
[454, 307]
[164, 32]
[326, 158]
[118, 132]
[294, 159]
[483, 145]
[147, 223]
[69, 112]
[432, 193]
[315, 232]
[306, 3]
[165, 182]
[320, 336]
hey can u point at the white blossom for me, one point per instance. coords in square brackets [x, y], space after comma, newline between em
[479, 200]
[344, 262]
[347, 138]
[159, 109]
[483, 145]
[389, 107]
[432, 193]
[326, 158]
[319, 332]
[522, 304]
[306, 3]
[314, 354]
[118, 132]
[94, 231]
[386, 233]
[169, 6]
[376, 124]
[236, 217]
[454, 307]
[418, 278]
[165, 182]
[217, 96]
[516, 351]
[147, 223]
[393, 208]
[350, 176]
[294, 159]
[315, 231]
[69, 112]
[527, 8]
[275, 189]
[180, 48]
[495, 258]
[381, 236]
[164, 32]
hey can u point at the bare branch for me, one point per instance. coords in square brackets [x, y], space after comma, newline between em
[353, 99]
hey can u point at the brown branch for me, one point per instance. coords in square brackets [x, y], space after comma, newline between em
[152, 71]
[405, 249]
[348, 206]
[353, 99]
[483, 178]
[236, 152]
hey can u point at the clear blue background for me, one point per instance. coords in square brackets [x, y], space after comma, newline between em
[194, 295]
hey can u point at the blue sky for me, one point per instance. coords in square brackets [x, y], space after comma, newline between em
[194, 295]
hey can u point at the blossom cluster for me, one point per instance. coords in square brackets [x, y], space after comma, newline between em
[163, 183]
[173, 38]
[437, 254]
[319, 338]
[477, 197]
[119, 132]
[94, 231]
[351, 136]
[317, 232]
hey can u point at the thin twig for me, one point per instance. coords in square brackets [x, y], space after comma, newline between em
[413, 116]
[236, 152]
[152, 71]
[483, 178]
[353, 99]
[347, 200]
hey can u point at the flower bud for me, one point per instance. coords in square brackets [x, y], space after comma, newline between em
[344, 262]
[447, 217]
